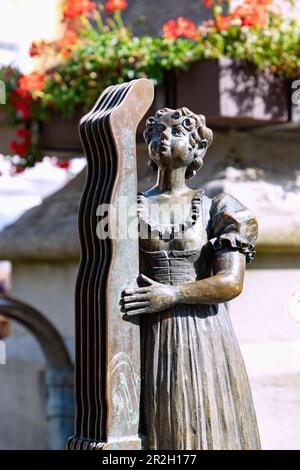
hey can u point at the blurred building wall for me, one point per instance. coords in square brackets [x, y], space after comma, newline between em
[44, 252]
[23, 21]
[155, 13]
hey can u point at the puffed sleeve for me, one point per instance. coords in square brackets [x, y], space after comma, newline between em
[232, 226]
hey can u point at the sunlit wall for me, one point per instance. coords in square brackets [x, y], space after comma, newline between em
[21, 22]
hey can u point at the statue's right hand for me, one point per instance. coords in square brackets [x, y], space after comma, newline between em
[148, 299]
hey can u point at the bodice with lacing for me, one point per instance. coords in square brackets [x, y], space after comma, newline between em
[225, 225]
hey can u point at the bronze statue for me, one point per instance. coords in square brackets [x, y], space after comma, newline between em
[195, 391]
[178, 380]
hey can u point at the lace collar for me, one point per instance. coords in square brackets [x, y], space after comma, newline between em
[170, 229]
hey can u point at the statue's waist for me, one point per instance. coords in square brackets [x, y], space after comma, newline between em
[172, 274]
[170, 266]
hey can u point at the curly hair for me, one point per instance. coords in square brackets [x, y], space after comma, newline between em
[200, 136]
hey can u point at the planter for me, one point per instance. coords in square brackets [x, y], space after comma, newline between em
[229, 93]
[61, 134]
[7, 134]
[159, 102]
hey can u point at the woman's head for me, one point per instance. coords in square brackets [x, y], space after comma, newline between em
[178, 138]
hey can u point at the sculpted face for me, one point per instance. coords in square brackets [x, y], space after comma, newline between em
[171, 139]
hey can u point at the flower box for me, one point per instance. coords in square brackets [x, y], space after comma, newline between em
[61, 134]
[229, 93]
[7, 134]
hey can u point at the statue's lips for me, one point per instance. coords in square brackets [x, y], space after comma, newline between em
[164, 147]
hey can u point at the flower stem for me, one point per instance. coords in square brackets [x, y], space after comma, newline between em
[99, 21]
[86, 22]
[118, 19]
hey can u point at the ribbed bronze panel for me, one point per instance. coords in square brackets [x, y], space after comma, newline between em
[107, 362]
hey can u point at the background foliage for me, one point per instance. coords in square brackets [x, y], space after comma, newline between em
[98, 50]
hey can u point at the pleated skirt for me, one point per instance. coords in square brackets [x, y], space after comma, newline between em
[195, 389]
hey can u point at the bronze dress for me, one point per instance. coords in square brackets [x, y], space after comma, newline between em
[195, 389]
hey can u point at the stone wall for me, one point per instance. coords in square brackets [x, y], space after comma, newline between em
[44, 250]
[49, 287]
[155, 13]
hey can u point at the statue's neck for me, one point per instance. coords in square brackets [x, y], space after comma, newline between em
[171, 180]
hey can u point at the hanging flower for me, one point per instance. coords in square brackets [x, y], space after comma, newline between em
[21, 103]
[38, 47]
[63, 164]
[22, 148]
[19, 149]
[67, 42]
[115, 5]
[17, 169]
[24, 133]
[34, 49]
[182, 27]
[75, 8]
[29, 83]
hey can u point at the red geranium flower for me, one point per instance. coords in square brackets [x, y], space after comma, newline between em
[74, 8]
[34, 49]
[18, 169]
[67, 42]
[22, 148]
[32, 82]
[182, 27]
[115, 5]
[63, 164]
[21, 103]
[170, 29]
[19, 149]
[24, 133]
[223, 22]
[37, 48]
[211, 3]
[253, 13]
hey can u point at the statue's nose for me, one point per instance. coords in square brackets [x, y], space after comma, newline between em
[164, 135]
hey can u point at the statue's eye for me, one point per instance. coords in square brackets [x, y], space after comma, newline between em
[175, 115]
[177, 131]
[188, 124]
[202, 144]
[150, 121]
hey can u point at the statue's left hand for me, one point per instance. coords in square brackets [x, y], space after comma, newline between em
[152, 297]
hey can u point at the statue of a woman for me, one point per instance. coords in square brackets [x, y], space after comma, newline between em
[193, 252]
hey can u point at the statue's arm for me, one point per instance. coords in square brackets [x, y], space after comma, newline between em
[225, 284]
